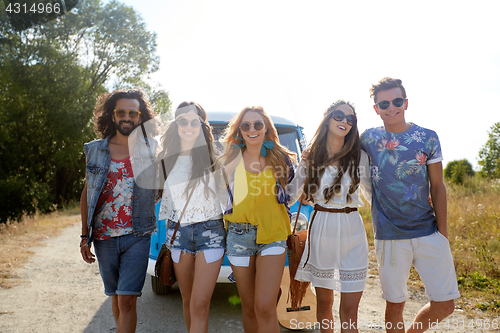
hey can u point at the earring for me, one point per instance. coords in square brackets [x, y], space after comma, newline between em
[241, 145]
[268, 144]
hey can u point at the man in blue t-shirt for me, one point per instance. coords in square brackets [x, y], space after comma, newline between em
[409, 228]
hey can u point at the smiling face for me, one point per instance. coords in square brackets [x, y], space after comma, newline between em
[125, 125]
[393, 117]
[253, 136]
[340, 128]
[189, 133]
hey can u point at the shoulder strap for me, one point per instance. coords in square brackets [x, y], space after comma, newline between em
[180, 217]
[297, 218]
[147, 142]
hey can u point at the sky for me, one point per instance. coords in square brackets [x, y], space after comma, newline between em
[295, 58]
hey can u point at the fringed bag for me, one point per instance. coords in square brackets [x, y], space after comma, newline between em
[296, 243]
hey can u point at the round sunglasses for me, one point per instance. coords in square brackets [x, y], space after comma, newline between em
[132, 114]
[183, 122]
[397, 102]
[339, 115]
[245, 126]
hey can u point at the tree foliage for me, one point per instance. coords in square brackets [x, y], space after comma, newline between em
[50, 76]
[489, 155]
[457, 169]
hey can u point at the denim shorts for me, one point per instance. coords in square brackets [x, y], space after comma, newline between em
[242, 241]
[123, 262]
[196, 237]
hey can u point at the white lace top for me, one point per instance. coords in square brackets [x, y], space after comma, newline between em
[199, 208]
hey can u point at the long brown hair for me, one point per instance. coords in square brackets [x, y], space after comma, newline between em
[202, 154]
[276, 157]
[317, 159]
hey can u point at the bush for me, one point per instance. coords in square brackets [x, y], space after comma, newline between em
[455, 171]
[18, 196]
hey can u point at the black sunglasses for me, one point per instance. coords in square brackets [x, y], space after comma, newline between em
[397, 102]
[245, 127]
[183, 122]
[338, 115]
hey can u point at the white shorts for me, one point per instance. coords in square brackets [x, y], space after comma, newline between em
[431, 256]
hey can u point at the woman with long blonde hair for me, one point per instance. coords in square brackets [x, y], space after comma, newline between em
[258, 218]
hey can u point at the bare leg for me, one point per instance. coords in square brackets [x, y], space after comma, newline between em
[269, 271]
[127, 319]
[394, 317]
[245, 282]
[324, 304]
[205, 277]
[184, 272]
[432, 312]
[349, 303]
[114, 306]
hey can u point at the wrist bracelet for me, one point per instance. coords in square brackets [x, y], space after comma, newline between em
[84, 236]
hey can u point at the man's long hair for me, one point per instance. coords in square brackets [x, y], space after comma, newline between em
[105, 106]
[203, 153]
[318, 160]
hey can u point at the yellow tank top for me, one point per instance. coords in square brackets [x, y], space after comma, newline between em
[255, 202]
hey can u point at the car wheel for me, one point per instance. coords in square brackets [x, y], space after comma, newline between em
[158, 287]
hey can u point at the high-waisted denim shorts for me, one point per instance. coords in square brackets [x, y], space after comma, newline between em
[196, 237]
[242, 241]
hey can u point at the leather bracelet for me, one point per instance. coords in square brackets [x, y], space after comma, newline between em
[84, 236]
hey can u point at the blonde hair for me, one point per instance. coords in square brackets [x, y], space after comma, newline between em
[278, 157]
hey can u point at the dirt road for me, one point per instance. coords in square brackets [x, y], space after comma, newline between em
[61, 293]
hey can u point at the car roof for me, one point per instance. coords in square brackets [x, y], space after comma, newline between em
[219, 117]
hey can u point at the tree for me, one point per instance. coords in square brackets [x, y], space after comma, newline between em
[489, 155]
[455, 171]
[50, 76]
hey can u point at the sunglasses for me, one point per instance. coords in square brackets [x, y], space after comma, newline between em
[338, 115]
[397, 102]
[133, 114]
[258, 125]
[183, 122]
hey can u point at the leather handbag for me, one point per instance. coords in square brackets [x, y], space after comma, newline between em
[296, 244]
[164, 268]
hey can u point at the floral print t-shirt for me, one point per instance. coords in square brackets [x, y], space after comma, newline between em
[114, 208]
[398, 161]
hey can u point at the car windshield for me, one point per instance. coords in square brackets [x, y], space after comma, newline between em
[287, 135]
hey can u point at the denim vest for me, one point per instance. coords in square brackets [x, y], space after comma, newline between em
[143, 199]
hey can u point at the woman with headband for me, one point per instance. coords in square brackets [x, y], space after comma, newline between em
[190, 166]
